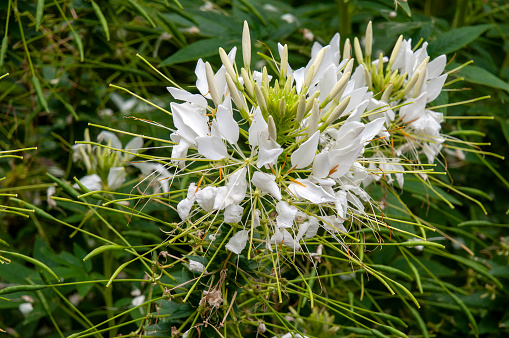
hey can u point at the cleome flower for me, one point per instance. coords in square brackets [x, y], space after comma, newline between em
[106, 165]
[280, 157]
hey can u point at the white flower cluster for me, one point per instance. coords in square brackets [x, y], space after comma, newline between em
[280, 158]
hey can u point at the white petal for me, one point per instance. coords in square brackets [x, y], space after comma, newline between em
[333, 224]
[183, 95]
[283, 236]
[286, 214]
[310, 191]
[179, 151]
[321, 165]
[212, 147]
[205, 198]
[268, 152]
[258, 126]
[133, 146]
[238, 242]
[233, 213]
[342, 160]
[226, 124]
[190, 121]
[184, 207]
[372, 129]
[434, 87]
[266, 183]
[157, 171]
[110, 138]
[201, 79]
[304, 156]
[137, 301]
[437, 66]
[308, 229]
[116, 177]
[91, 182]
[234, 192]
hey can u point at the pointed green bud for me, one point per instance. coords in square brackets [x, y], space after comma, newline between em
[309, 77]
[248, 83]
[381, 63]
[341, 85]
[284, 63]
[347, 50]
[246, 46]
[369, 40]
[212, 84]
[369, 80]
[318, 60]
[387, 92]
[310, 101]
[265, 78]
[336, 113]
[301, 109]
[422, 77]
[227, 63]
[358, 51]
[410, 84]
[349, 66]
[260, 98]
[313, 120]
[395, 51]
[234, 93]
[282, 107]
[272, 128]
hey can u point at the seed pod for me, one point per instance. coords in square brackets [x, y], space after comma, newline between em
[21, 288]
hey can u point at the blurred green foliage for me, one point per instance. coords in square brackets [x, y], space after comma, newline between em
[61, 56]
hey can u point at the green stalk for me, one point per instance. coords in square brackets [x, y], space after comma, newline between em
[345, 25]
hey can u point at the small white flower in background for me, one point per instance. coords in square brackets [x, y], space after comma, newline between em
[25, 308]
[195, 266]
[138, 299]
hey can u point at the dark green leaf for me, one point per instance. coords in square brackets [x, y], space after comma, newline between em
[455, 39]
[481, 76]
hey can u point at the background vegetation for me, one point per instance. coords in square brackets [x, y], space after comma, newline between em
[62, 55]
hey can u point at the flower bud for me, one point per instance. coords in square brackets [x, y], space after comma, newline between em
[349, 66]
[234, 92]
[337, 90]
[358, 51]
[313, 120]
[336, 113]
[260, 98]
[227, 63]
[284, 63]
[272, 128]
[248, 83]
[387, 92]
[369, 39]
[422, 77]
[282, 106]
[347, 50]
[212, 84]
[246, 46]
[395, 51]
[301, 109]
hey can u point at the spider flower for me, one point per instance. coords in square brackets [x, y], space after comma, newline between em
[277, 157]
